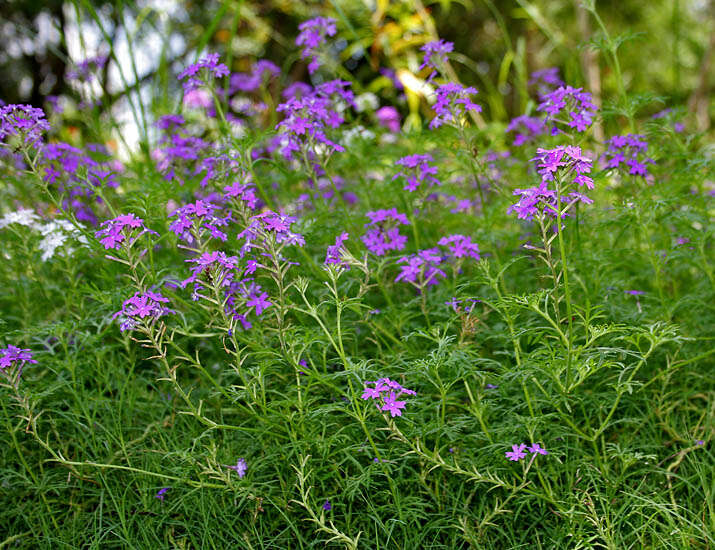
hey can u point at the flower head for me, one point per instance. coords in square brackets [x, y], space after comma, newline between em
[327, 506]
[383, 234]
[453, 102]
[421, 269]
[240, 468]
[435, 56]
[14, 358]
[24, 121]
[334, 253]
[141, 308]
[201, 72]
[571, 102]
[313, 33]
[417, 170]
[386, 392]
[526, 129]
[126, 227]
[161, 492]
[628, 152]
[516, 453]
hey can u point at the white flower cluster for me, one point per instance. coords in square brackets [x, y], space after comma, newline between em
[54, 233]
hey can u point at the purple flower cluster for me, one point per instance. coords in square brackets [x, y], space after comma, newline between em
[383, 234]
[15, 358]
[65, 165]
[245, 296]
[262, 72]
[141, 308]
[517, 451]
[267, 228]
[114, 232]
[565, 160]
[571, 167]
[86, 70]
[389, 118]
[628, 149]
[568, 100]
[192, 76]
[460, 246]
[177, 149]
[418, 171]
[421, 269]
[546, 80]
[241, 193]
[309, 116]
[24, 121]
[527, 129]
[334, 254]
[197, 220]
[453, 102]
[313, 33]
[386, 392]
[435, 56]
[215, 266]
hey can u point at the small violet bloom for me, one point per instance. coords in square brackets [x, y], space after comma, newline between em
[313, 33]
[516, 453]
[240, 468]
[327, 506]
[161, 492]
[386, 392]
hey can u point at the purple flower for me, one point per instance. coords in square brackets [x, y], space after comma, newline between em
[699, 442]
[13, 357]
[568, 101]
[142, 308]
[383, 234]
[460, 246]
[24, 121]
[526, 129]
[418, 171]
[546, 80]
[634, 292]
[391, 404]
[435, 56]
[491, 386]
[389, 118]
[263, 70]
[313, 33]
[243, 192]
[86, 70]
[537, 449]
[571, 167]
[114, 232]
[454, 303]
[516, 453]
[161, 492]
[193, 77]
[269, 227]
[386, 392]
[334, 253]
[628, 150]
[421, 269]
[240, 468]
[453, 102]
[198, 221]
[308, 117]
[327, 506]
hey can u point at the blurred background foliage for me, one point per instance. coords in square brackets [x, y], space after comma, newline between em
[666, 48]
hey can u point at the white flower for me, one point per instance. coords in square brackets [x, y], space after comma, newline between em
[55, 234]
[366, 101]
[24, 217]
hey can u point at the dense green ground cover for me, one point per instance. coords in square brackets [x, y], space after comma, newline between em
[180, 426]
